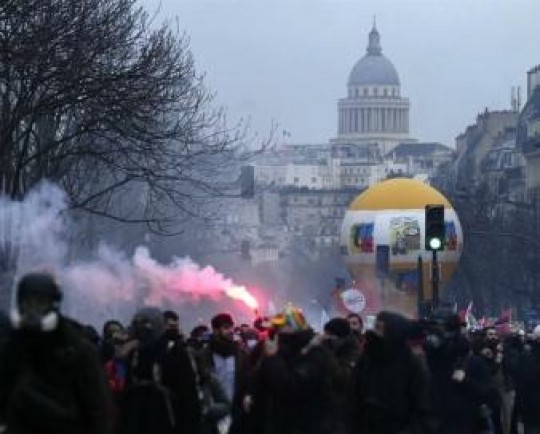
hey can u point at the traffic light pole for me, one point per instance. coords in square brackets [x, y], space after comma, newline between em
[420, 295]
[435, 280]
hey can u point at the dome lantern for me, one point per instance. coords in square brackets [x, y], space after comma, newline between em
[374, 48]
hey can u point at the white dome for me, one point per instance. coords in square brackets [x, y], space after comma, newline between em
[374, 70]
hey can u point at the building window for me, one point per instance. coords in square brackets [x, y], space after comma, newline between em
[375, 91]
[296, 180]
[313, 180]
[357, 93]
[365, 91]
[394, 92]
[385, 92]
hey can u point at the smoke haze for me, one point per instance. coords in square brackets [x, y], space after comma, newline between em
[35, 232]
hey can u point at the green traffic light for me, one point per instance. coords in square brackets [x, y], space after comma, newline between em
[435, 243]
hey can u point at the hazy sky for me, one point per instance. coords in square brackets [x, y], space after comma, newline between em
[288, 60]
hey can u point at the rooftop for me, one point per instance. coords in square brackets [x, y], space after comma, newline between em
[418, 148]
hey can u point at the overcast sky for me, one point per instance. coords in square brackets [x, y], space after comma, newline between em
[288, 60]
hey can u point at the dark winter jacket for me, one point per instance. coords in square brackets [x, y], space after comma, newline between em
[293, 390]
[344, 354]
[391, 385]
[241, 380]
[457, 405]
[161, 393]
[53, 383]
[513, 350]
[528, 387]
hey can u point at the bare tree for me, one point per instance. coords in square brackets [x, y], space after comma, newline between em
[96, 98]
[498, 268]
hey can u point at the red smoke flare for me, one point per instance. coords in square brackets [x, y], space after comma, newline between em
[241, 293]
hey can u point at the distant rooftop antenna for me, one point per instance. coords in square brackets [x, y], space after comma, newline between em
[374, 21]
[516, 98]
[513, 99]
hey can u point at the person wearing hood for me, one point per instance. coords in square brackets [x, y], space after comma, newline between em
[527, 382]
[344, 347]
[459, 381]
[161, 394]
[223, 359]
[293, 382]
[391, 385]
[51, 379]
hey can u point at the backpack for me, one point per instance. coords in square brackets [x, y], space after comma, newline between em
[148, 406]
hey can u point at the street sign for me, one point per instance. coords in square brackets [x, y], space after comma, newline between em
[353, 300]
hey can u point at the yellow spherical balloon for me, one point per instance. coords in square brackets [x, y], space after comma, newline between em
[386, 225]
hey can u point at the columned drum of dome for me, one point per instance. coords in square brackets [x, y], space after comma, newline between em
[373, 111]
[387, 223]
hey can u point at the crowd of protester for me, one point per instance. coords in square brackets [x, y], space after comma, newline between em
[276, 376]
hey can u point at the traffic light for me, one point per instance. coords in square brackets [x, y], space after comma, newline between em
[435, 228]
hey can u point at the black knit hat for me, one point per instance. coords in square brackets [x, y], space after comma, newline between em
[222, 320]
[39, 285]
[338, 327]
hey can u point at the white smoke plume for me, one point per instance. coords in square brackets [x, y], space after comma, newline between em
[32, 232]
[35, 233]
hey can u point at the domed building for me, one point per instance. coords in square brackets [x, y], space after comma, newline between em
[374, 112]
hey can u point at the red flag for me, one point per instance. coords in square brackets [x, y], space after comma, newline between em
[505, 318]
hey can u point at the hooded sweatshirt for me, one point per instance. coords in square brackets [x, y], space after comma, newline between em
[390, 384]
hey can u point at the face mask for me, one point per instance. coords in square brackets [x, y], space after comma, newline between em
[171, 334]
[145, 336]
[46, 323]
[118, 340]
[251, 343]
